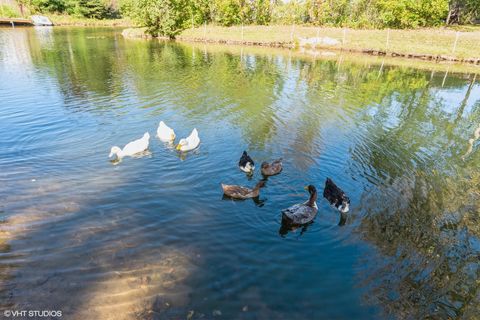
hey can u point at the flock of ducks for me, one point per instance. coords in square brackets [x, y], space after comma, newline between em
[298, 214]
[295, 215]
[165, 134]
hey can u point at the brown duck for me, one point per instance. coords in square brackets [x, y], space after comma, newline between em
[271, 169]
[239, 192]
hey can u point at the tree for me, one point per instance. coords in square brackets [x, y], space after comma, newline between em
[161, 17]
[463, 11]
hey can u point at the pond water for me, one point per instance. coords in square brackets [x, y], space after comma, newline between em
[153, 238]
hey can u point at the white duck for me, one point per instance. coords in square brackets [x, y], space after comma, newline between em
[131, 148]
[165, 133]
[189, 143]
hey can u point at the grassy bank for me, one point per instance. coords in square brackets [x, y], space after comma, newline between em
[66, 20]
[428, 44]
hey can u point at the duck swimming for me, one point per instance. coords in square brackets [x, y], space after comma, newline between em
[189, 143]
[336, 196]
[246, 163]
[271, 169]
[131, 148]
[302, 213]
[239, 192]
[165, 133]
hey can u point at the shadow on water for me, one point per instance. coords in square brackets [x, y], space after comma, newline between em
[97, 265]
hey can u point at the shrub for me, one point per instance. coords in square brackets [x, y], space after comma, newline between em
[8, 12]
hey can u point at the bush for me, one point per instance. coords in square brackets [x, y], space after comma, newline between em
[96, 9]
[412, 13]
[160, 17]
[8, 12]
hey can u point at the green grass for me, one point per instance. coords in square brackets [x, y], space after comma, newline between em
[438, 41]
[66, 20]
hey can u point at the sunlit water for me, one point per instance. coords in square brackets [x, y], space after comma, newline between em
[153, 237]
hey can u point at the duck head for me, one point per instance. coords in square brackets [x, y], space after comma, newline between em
[115, 151]
[181, 143]
[311, 189]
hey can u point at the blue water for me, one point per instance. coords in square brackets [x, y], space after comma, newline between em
[152, 237]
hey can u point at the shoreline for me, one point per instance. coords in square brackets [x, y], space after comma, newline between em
[458, 44]
[372, 52]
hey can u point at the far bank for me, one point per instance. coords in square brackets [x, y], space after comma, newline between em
[437, 44]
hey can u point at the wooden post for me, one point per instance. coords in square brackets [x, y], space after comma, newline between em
[445, 77]
[292, 32]
[205, 30]
[455, 43]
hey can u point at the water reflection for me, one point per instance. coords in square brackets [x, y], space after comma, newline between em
[152, 236]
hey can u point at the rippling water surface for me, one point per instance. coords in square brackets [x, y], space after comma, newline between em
[153, 238]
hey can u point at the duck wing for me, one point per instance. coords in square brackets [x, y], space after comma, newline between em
[136, 146]
[299, 213]
[193, 140]
[237, 192]
[164, 132]
[273, 168]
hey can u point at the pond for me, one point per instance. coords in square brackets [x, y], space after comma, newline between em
[154, 238]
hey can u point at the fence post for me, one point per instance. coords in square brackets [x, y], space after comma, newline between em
[292, 32]
[455, 43]
[388, 40]
[205, 30]
[242, 31]
[344, 36]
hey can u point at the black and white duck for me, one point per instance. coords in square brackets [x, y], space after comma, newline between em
[302, 213]
[336, 196]
[246, 163]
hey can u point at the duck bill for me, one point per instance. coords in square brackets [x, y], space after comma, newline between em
[305, 188]
[178, 147]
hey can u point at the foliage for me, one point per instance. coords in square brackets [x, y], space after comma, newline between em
[291, 12]
[8, 12]
[412, 13]
[228, 12]
[87, 8]
[167, 17]
[160, 17]
[98, 9]
[463, 11]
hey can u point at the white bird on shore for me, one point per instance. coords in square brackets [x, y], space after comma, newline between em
[165, 133]
[189, 143]
[131, 148]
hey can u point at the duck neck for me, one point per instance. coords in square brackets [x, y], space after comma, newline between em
[258, 186]
[313, 199]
